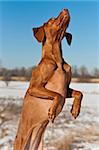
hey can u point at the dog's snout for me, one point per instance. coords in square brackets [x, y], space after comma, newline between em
[65, 11]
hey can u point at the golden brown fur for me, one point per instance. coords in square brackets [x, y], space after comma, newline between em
[49, 85]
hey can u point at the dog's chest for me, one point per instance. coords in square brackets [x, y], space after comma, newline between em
[58, 82]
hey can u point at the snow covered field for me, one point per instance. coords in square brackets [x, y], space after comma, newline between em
[66, 133]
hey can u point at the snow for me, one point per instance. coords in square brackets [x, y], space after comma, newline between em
[82, 133]
[15, 89]
[18, 89]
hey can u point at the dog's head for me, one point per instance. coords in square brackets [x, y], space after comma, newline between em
[54, 29]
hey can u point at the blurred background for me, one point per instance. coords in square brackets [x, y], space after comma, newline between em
[20, 53]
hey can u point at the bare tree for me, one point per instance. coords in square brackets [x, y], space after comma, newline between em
[96, 72]
[84, 72]
[75, 72]
[7, 76]
[28, 73]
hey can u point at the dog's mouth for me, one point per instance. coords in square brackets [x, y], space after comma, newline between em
[62, 22]
[63, 19]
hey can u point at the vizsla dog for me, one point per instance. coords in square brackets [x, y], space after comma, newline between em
[49, 85]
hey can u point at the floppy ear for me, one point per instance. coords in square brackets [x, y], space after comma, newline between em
[39, 33]
[68, 38]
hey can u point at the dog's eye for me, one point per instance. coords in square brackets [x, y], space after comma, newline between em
[53, 18]
[51, 21]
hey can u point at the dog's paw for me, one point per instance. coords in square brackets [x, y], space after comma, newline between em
[75, 111]
[52, 113]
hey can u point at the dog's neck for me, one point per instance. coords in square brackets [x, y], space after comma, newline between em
[47, 48]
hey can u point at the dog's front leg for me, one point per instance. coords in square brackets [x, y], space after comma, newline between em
[43, 93]
[77, 95]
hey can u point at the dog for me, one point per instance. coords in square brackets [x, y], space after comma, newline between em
[49, 85]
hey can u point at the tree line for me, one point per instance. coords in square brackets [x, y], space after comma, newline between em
[77, 72]
[84, 72]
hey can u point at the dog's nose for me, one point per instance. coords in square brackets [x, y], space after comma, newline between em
[65, 11]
